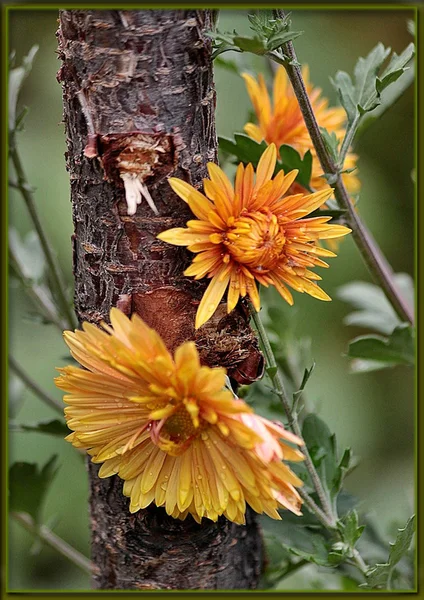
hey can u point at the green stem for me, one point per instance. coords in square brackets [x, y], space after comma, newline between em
[359, 562]
[370, 251]
[34, 387]
[54, 272]
[348, 139]
[37, 294]
[54, 541]
[326, 515]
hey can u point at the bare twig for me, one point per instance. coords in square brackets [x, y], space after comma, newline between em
[54, 541]
[34, 387]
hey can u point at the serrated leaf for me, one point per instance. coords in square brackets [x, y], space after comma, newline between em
[243, 148]
[350, 529]
[342, 470]
[403, 540]
[291, 159]
[322, 448]
[254, 45]
[28, 486]
[363, 95]
[395, 68]
[278, 39]
[375, 311]
[52, 427]
[398, 348]
[331, 143]
[223, 47]
[344, 86]
[16, 78]
[246, 150]
[379, 576]
[306, 375]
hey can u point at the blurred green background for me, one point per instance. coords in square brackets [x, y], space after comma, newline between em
[372, 413]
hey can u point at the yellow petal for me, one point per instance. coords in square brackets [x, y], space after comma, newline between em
[254, 132]
[266, 166]
[211, 299]
[220, 179]
[198, 203]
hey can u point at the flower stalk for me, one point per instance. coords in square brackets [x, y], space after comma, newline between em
[370, 251]
[326, 515]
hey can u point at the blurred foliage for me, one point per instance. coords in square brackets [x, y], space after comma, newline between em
[364, 411]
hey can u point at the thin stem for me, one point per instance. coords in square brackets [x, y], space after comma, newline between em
[292, 568]
[34, 387]
[370, 251]
[54, 272]
[327, 513]
[37, 294]
[54, 541]
[359, 562]
[315, 509]
[348, 138]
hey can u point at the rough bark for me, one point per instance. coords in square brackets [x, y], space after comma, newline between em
[139, 98]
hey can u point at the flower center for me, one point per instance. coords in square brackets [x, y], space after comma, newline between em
[179, 426]
[173, 434]
[256, 240]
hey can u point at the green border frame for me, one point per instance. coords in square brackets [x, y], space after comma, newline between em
[418, 9]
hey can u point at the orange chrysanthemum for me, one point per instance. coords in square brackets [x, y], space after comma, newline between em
[169, 428]
[283, 122]
[253, 232]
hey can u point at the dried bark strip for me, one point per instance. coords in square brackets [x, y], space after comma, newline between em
[139, 102]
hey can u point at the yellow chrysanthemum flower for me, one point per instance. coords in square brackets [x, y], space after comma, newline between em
[282, 122]
[169, 428]
[252, 232]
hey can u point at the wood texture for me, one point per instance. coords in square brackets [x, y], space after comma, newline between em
[139, 98]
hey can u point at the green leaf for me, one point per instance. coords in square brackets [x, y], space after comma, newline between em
[272, 371]
[321, 444]
[363, 95]
[395, 68]
[16, 78]
[345, 88]
[359, 365]
[403, 541]
[331, 143]
[350, 529]
[398, 348]
[365, 72]
[291, 159]
[227, 64]
[253, 45]
[380, 575]
[246, 150]
[375, 311]
[243, 148]
[52, 427]
[28, 486]
[343, 468]
[278, 39]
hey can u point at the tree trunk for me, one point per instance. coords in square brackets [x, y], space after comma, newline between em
[139, 102]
